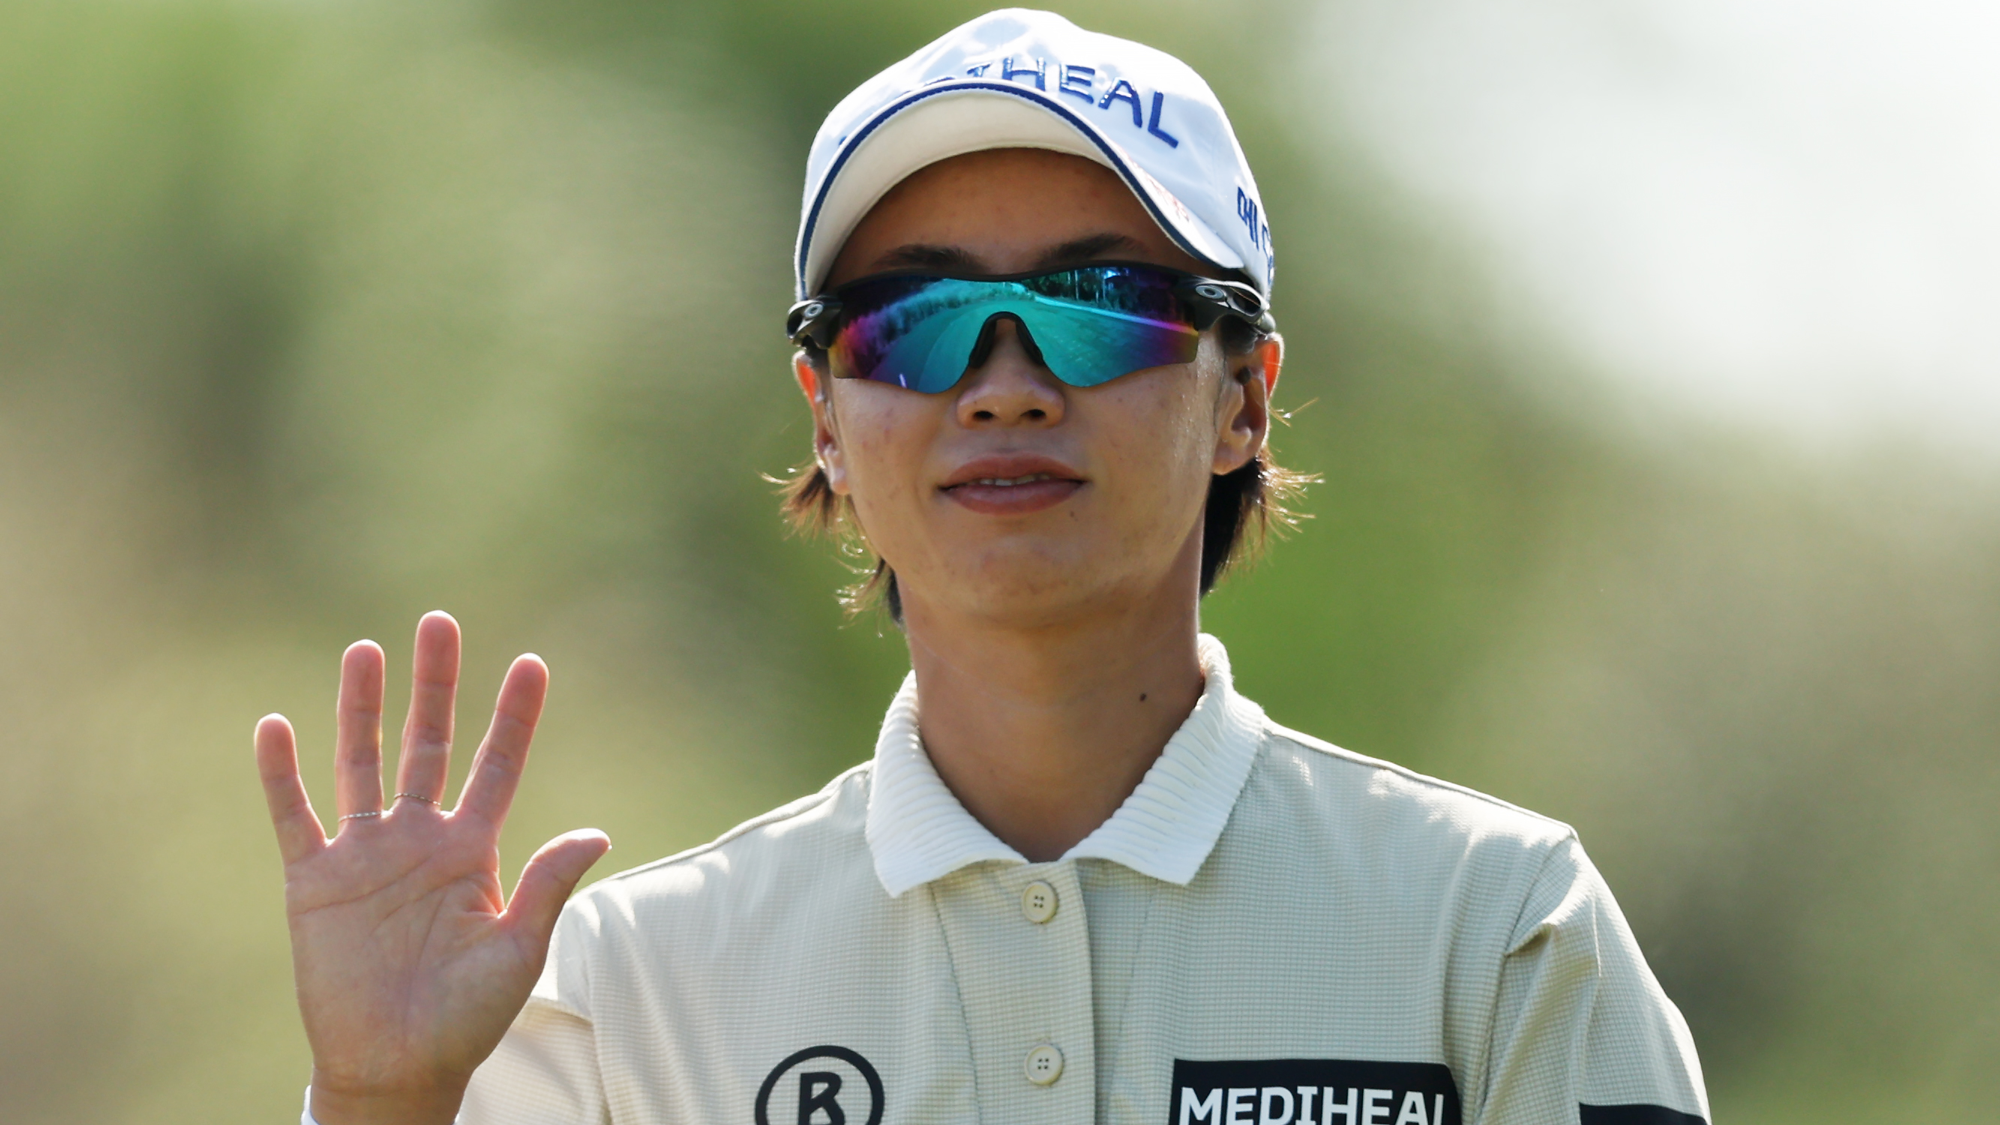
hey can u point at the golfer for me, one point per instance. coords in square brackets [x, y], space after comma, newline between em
[1082, 879]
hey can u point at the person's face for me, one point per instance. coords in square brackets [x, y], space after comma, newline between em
[1014, 496]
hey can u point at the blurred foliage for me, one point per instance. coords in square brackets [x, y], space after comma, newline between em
[314, 316]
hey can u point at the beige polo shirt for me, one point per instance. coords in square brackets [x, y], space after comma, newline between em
[1270, 931]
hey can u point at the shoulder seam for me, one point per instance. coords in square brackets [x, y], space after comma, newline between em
[783, 812]
[1516, 940]
[1408, 774]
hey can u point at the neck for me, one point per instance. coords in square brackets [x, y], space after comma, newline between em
[1043, 732]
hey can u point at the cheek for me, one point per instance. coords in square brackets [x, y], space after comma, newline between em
[884, 437]
[1158, 442]
[1176, 418]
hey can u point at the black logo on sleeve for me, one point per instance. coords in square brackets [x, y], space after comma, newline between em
[1313, 1092]
[823, 1080]
[1635, 1115]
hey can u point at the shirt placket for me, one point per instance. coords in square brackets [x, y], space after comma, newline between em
[1020, 951]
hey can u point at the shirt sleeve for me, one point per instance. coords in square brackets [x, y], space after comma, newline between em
[1582, 1030]
[545, 1070]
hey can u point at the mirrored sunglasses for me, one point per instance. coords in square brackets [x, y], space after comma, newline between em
[1086, 325]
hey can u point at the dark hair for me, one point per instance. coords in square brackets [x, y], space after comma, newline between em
[1245, 507]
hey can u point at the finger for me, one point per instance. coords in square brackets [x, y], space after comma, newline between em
[357, 750]
[299, 831]
[546, 884]
[433, 692]
[496, 769]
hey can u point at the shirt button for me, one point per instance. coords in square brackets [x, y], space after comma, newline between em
[1044, 1064]
[1038, 905]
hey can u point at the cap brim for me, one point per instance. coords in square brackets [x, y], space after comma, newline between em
[943, 122]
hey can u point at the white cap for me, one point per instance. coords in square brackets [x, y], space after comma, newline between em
[1025, 79]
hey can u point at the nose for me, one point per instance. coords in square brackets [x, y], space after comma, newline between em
[1008, 385]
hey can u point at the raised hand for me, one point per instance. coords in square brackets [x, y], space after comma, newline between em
[410, 962]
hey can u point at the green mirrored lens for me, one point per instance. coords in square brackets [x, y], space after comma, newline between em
[1091, 325]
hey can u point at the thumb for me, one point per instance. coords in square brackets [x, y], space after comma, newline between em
[547, 882]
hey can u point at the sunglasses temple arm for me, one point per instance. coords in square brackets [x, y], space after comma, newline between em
[812, 320]
[1212, 300]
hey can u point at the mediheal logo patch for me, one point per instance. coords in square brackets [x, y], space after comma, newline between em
[1313, 1092]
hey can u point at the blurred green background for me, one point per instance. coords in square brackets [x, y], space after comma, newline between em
[314, 316]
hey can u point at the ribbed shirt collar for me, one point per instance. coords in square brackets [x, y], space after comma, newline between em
[918, 831]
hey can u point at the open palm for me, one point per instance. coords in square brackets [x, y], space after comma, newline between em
[410, 961]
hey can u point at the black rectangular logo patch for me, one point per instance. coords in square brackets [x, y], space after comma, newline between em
[1313, 1092]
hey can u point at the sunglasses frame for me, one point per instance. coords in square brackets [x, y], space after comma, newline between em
[815, 320]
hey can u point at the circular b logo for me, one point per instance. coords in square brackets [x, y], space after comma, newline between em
[825, 1089]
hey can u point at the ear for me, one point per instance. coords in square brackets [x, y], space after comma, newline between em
[1245, 416]
[826, 436]
[1271, 352]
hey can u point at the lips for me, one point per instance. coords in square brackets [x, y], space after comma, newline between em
[1012, 484]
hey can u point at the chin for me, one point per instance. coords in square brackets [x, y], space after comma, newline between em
[1040, 591]
[1044, 610]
